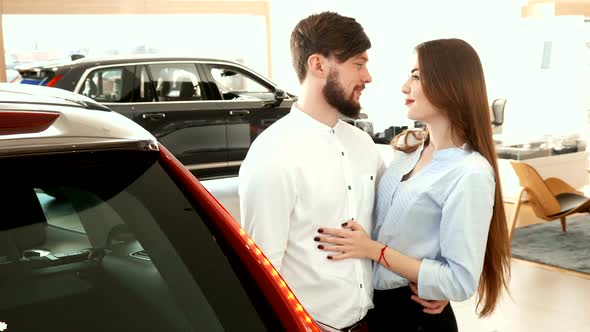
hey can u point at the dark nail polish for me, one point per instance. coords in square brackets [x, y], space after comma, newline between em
[344, 224]
[317, 238]
[320, 230]
[320, 247]
[329, 257]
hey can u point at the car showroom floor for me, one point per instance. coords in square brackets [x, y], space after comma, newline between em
[542, 298]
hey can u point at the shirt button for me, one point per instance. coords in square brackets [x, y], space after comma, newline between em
[343, 153]
[371, 177]
[349, 187]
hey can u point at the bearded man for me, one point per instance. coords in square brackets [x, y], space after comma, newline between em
[310, 170]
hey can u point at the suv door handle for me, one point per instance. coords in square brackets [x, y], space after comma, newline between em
[243, 112]
[153, 116]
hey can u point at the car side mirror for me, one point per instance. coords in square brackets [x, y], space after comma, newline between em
[279, 96]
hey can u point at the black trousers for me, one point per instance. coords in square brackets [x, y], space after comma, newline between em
[396, 312]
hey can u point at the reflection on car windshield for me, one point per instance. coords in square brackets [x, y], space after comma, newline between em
[235, 85]
[83, 248]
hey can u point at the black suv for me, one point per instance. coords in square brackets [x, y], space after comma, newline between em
[206, 111]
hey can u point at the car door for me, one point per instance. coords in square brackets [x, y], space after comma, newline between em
[172, 105]
[248, 99]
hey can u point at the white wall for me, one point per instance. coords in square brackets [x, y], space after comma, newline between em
[540, 101]
[548, 101]
[394, 31]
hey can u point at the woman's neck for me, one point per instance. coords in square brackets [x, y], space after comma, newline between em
[441, 135]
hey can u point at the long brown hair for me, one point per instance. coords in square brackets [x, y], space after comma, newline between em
[453, 81]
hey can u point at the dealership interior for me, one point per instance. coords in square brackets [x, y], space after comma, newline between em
[536, 60]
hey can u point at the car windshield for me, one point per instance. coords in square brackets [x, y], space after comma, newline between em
[107, 241]
[235, 85]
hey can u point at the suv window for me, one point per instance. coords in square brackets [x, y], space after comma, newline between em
[107, 252]
[144, 91]
[237, 85]
[176, 81]
[109, 85]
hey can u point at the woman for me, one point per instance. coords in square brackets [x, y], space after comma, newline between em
[440, 226]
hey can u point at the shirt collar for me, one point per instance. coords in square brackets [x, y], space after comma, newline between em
[305, 120]
[450, 153]
[441, 155]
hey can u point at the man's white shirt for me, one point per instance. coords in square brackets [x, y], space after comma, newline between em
[301, 175]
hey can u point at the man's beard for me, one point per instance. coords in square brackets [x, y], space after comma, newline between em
[335, 96]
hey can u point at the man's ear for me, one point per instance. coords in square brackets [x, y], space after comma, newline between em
[317, 65]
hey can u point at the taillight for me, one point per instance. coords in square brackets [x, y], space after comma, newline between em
[288, 309]
[25, 122]
[54, 80]
[283, 288]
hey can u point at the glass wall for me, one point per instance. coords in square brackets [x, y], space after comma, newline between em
[35, 38]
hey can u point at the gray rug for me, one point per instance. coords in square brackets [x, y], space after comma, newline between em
[545, 243]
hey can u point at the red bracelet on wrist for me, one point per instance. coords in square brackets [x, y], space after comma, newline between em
[382, 256]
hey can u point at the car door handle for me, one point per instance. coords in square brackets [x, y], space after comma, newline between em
[153, 116]
[241, 112]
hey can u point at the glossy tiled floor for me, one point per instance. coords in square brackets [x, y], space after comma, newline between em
[542, 299]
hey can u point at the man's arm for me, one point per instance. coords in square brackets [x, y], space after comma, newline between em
[267, 198]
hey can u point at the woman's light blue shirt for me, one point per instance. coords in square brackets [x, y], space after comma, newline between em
[441, 215]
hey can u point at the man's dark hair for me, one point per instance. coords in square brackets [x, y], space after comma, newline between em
[328, 34]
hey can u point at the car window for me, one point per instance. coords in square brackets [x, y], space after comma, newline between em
[144, 89]
[176, 81]
[106, 241]
[235, 84]
[109, 85]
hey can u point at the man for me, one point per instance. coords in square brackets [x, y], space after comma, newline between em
[312, 170]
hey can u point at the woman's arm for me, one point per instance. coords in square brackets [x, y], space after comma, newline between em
[465, 220]
[354, 242]
[466, 216]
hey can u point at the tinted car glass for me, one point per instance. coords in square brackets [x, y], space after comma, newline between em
[118, 247]
[236, 85]
[109, 84]
[144, 91]
[176, 81]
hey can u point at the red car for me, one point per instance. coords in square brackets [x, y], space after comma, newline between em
[102, 229]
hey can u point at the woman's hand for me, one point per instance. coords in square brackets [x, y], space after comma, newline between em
[432, 307]
[350, 242]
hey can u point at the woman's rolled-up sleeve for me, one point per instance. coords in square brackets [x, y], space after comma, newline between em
[465, 222]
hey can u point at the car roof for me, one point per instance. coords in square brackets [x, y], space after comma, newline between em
[141, 58]
[41, 64]
[76, 126]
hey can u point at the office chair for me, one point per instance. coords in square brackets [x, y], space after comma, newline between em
[498, 112]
